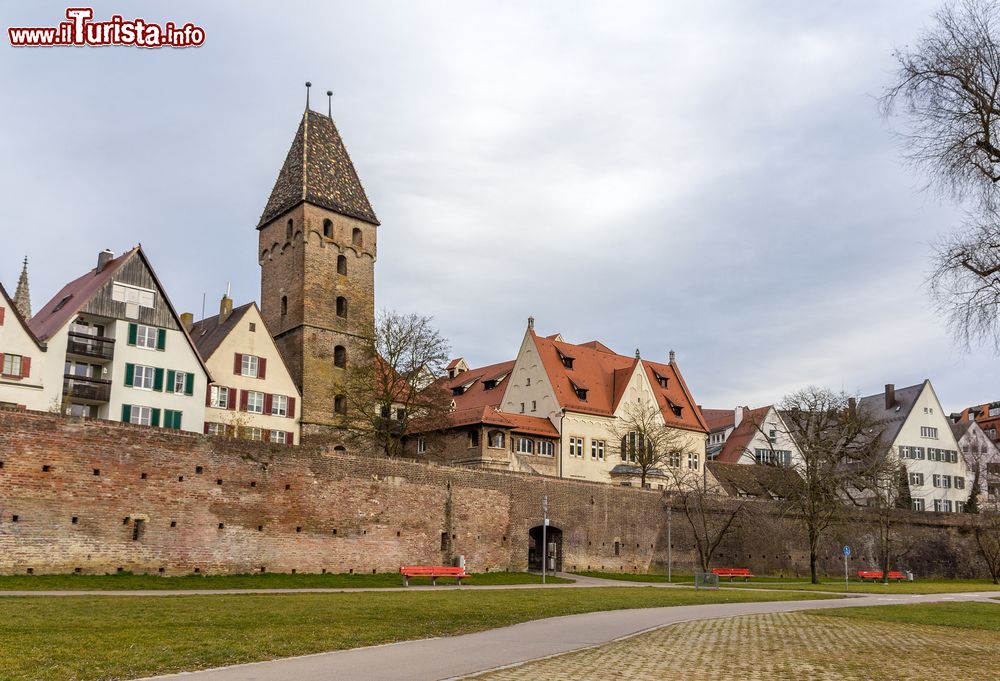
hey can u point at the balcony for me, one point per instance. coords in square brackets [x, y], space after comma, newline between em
[88, 389]
[96, 347]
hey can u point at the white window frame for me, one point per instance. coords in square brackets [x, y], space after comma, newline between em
[9, 362]
[421, 445]
[546, 448]
[253, 433]
[525, 445]
[250, 366]
[499, 442]
[693, 460]
[917, 504]
[576, 447]
[217, 400]
[275, 409]
[278, 437]
[140, 373]
[929, 432]
[916, 479]
[216, 429]
[597, 448]
[145, 336]
[140, 416]
[255, 402]
[180, 382]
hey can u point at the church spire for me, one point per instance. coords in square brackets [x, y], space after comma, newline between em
[22, 297]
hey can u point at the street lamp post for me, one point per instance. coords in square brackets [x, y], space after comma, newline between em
[545, 527]
[670, 526]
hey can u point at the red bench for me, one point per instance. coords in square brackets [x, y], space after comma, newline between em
[733, 572]
[432, 571]
[876, 575]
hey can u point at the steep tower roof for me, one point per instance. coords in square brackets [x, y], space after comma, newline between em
[22, 296]
[318, 170]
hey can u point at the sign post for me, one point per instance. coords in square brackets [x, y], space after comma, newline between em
[545, 526]
[847, 554]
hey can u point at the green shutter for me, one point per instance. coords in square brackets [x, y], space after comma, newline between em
[171, 379]
[158, 379]
[129, 374]
[172, 419]
[133, 331]
[154, 419]
[161, 339]
[126, 413]
[189, 384]
[177, 420]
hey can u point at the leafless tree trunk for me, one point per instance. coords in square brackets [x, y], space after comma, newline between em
[986, 528]
[711, 517]
[647, 443]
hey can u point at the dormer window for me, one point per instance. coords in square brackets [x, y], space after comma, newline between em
[662, 380]
[579, 391]
[490, 384]
[458, 390]
[566, 360]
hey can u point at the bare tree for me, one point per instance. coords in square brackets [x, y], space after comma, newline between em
[882, 486]
[646, 441]
[948, 87]
[831, 435]
[390, 392]
[711, 517]
[986, 529]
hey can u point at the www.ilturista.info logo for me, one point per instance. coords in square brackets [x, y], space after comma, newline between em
[80, 31]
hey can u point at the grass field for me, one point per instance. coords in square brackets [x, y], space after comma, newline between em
[127, 581]
[833, 586]
[97, 637]
[854, 644]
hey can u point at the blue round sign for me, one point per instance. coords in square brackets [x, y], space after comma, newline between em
[847, 550]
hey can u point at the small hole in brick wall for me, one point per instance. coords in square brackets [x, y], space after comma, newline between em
[397, 533]
[124, 521]
[454, 536]
[1, 464]
[180, 478]
[221, 525]
[364, 531]
[31, 571]
[298, 529]
[161, 570]
[335, 530]
[253, 483]
[260, 528]
[173, 523]
[198, 469]
[373, 571]
[97, 471]
[262, 568]
[351, 571]
[46, 468]
[75, 520]
[14, 518]
[504, 540]
[142, 476]
[120, 570]
[323, 571]
[197, 570]
[288, 486]
[293, 571]
[77, 570]
[219, 481]
[591, 500]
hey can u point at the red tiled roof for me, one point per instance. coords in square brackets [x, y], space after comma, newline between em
[475, 394]
[717, 419]
[454, 363]
[73, 295]
[602, 372]
[741, 436]
[488, 416]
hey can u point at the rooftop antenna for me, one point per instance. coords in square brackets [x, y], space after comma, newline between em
[308, 85]
[228, 286]
[329, 99]
[202, 305]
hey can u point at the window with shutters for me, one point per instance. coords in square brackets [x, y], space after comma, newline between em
[219, 397]
[917, 504]
[255, 402]
[143, 377]
[141, 416]
[279, 405]
[180, 382]
[253, 433]
[340, 357]
[916, 479]
[172, 419]
[12, 365]
[250, 365]
[278, 437]
[145, 336]
[216, 429]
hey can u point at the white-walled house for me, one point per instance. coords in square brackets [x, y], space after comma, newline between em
[22, 361]
[919, 432]
[759, 436]
[116, 348]
[981, 455]
[253, 396]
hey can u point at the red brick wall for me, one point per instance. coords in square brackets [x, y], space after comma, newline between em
[339, 513]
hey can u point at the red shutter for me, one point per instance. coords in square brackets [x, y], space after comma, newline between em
[265, 435]
[289, 437]
[268, 398]
[237, 364]
[244, 394]
[25, 367]
[291, 407]
[231, 399]
[208, 396]
[261, 368]
[206, 427]
[1, 316]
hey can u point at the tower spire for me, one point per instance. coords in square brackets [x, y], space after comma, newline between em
[22, 296]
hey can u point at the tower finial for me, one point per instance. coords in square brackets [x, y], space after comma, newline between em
[308, 85]
[531, 322]
[329, 100]
[637, 353]
[22, 295]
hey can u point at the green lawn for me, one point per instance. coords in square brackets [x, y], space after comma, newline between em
[961, 615]
[833, 586]
[99, 637]
[127, 581]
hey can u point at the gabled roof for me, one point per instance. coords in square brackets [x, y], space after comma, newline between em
[318, 170]
[476, 395]
[766, 482]
[604, 375]
[64, 305]
[208, 333]
[12, 308]
[737, 442]
[489, 416]
[895, 416]
[719, 419]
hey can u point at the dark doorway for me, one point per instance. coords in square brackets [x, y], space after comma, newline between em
[554, 539]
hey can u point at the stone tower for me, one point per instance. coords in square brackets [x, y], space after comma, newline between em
[22, 296]
[317, 258]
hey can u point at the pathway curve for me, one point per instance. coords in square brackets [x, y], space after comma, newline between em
[457, 656]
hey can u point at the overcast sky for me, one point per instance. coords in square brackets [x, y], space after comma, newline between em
[709, 177]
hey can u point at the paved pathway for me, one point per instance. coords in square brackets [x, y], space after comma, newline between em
[457, 656]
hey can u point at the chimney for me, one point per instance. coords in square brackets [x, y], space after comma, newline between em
[187, 321]
[225, 308]
[671, 355]
[890, 395]
[737, 415]
[103, 258]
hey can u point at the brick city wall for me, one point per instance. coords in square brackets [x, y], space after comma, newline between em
[72, 491]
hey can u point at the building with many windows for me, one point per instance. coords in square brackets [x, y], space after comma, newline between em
[919, 432]
[253, 396]
[22, 359]
[758, 436]
[116, 348]
[982, 456]
[986, 415]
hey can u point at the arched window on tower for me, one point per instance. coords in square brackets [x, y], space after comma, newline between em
[288, 229]
[328, 229]
[284, 305]
[356, 237]
[342, 307]
[340, 404]
[340, 357]
[342, 264]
